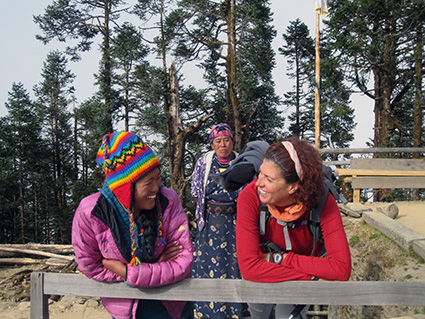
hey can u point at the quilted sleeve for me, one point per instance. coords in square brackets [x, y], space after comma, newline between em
[87, 230]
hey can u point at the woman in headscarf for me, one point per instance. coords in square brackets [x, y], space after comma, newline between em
[215, 243]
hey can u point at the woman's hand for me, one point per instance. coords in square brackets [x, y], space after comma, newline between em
[171, 251]
[115, 266]
[266, 256]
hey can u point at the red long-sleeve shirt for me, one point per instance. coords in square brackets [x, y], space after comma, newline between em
[298, 264]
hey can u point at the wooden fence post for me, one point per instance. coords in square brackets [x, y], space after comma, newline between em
[39, 301]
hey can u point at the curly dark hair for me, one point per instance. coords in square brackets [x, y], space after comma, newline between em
[311, 187]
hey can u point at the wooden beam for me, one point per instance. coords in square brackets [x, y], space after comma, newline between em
[375, 150]
[35, 252]
[370, 293]
[393, 182]
[378, 172]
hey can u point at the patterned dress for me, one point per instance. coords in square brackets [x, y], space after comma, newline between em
[215, 246]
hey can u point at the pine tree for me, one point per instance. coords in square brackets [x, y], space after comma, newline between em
[25, 152]
[299, 49]
[370, 38]
[336, 114]
[236, 38]
[54, 94]
[66, 20]
[127, 51]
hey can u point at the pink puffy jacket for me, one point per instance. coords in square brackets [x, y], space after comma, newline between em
[95, 236]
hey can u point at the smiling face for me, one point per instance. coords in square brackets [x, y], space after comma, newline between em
[222, 145]
[145, 191]
[272, 187]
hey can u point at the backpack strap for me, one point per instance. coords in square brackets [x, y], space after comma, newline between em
[313, 222]
[315, 219]
[329, 181]
[287, 225]
[264, 216]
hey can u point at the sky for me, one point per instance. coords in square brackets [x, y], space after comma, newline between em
[22, 56]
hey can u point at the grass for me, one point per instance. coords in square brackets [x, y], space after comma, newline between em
[377, 257]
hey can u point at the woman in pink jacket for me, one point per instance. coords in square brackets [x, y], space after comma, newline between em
[133, 230]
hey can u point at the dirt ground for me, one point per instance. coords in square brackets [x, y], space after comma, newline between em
[411, 214]
[374, 257]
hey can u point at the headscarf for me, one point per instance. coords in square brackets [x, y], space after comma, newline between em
[221, 129]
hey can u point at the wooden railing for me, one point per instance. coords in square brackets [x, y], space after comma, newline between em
[380, 173]
[367, 293]
[372, 150]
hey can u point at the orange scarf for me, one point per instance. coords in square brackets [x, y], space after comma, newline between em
[289, 213]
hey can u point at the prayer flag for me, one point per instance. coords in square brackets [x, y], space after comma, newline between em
[321, 7]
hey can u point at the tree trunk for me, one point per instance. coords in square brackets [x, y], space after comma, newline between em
[177, 138]
[55, 249]
[21, 197]
[377, 139]
[36, 231]
[107, 72]
[75, 147]
[417, 113]
[21, 261]
[35, 252]
[232, 78]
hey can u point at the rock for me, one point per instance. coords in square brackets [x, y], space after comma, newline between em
[390, 210]
[55, 297]
[353, 209]
[92, 303]
[24, 305]
[70, 299]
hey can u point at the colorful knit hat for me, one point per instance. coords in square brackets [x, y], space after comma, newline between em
[124, 158]
[219, 130]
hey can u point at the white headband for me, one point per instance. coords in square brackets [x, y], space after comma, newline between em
[294, 157]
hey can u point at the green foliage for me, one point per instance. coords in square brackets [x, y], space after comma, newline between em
[24, 149]
[353, 241]
[54, 95]
[376, 44]
[198, 28]
[47, 162]
[336, 116]
[127, 51]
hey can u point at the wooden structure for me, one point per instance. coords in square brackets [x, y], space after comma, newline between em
[379, 173]
[368, 293]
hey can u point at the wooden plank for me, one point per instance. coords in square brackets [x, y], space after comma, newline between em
[377, 172]
[336, 163]
[239, 290]
[39, 299]
[36, 252]
[373, 150]
[388, 164]
[387, 182]
[356, 195]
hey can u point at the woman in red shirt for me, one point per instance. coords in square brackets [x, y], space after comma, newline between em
[290, 183]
